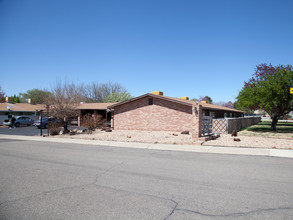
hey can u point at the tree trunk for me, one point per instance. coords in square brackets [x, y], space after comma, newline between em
[274, 123]
[65, 131]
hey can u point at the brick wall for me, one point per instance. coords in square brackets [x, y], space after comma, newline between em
[163, 115]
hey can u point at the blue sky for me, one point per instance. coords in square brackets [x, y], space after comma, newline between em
[181, 47]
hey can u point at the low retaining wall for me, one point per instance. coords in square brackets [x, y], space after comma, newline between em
[227, 125]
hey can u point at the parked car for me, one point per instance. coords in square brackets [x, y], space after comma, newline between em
[45, 122]
[19, 120]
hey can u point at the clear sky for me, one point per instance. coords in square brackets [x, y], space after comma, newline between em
[181, 47]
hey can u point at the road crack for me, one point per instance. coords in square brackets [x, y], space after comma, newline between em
[236, 214]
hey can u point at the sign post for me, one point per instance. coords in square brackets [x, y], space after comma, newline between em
[48, 107]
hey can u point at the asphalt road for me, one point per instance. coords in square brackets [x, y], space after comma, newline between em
[27, 130]
[23, 130]
[40, 180]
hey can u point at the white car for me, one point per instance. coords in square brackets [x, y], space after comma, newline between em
[19, 120]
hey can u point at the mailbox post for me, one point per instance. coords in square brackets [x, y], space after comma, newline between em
[48, 107]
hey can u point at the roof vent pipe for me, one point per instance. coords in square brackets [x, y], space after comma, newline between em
[157, 93]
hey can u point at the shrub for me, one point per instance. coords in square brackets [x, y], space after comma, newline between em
[92, 121]
[54, 128]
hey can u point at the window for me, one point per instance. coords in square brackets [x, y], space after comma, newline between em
[151, 101]
[213, 114]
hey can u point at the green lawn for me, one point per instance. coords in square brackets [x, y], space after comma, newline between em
[265, 126]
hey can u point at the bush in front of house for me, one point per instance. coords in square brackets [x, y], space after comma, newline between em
[54, 128]
[92, 121]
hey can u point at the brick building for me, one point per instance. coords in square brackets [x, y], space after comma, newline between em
[156, 112]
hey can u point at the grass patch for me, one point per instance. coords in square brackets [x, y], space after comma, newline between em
[265, 127]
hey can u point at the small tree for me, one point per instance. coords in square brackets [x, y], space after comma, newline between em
[63, 102]
[268, 90]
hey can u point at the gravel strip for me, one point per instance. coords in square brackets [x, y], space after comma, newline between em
[154, 137]
[165, 137]
[251, 141]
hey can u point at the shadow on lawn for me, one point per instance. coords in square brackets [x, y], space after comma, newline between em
[282, 127]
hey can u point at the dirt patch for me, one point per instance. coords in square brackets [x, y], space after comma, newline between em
[154, 137]
[246, 138]
[252, 141]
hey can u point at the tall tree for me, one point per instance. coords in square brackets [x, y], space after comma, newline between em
[268, 90]
[15, 99]
[225, 104]
[64, 101]
[118, 97]
[207, 99]
[96, 92]
[39, 96]
[229, 104]
[2, 93]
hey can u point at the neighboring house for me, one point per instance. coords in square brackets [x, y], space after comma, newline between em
[17, 109]
[161, 113]
[94, 109]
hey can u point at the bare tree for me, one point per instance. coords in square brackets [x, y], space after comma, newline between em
[64, 101]
[2, 93]
[96, 92]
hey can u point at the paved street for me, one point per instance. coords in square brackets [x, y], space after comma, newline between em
[23, 130]
[43, 180]
[28, 130]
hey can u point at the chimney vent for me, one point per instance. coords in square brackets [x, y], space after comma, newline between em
[8, 99]
[157, 93]
[30, 101]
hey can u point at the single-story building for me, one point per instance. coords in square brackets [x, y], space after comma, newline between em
[156, 112]
[25, 109]
[94, 109]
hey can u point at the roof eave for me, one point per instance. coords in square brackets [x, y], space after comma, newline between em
[150, 95]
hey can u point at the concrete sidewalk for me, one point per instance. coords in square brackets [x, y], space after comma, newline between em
[167, 147]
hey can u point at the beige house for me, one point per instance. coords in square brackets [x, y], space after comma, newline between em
[94, 109]
[25, 109]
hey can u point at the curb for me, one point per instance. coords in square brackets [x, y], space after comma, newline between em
[167, 147]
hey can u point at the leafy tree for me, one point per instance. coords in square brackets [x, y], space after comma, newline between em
[229, 105]
[39, 96]
[118, 97]
[207, 99]
[15, 99]
[225, 104]
[268, 90]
